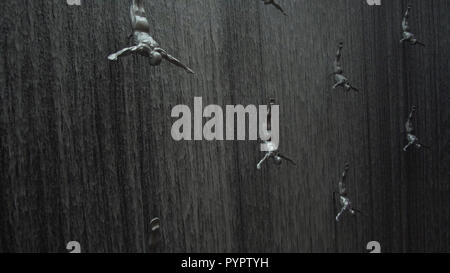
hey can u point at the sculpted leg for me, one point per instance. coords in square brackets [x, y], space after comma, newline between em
[138, 18]
[337, 61]
[405, 25]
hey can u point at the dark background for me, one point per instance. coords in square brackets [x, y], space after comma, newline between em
[87, 155]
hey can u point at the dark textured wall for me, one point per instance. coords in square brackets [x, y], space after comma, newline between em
[87, 155]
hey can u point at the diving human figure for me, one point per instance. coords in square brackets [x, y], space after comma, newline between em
[338, 73]
[155, 235]
[144, 44]
[343, 199]
[412, 139]
[272, 149]
[407, 35]
[276, 5]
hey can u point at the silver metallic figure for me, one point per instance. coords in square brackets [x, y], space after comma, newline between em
[410, 137]
[275, 155]
[273, 151]
[144, 44]
[407, 35]
[155, 236]
[343, 199]
[338, 73]
[276, 5]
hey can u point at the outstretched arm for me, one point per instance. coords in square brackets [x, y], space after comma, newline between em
[336, 85]
[359, 211]
[262, 161]
[407, 146]
[339, 83]
[288, 159]
[424, 146]
[173, 60]
[403, 40]
[420, 43]
[354, 88]
[344, 208]
[122, 53]
[278, 7]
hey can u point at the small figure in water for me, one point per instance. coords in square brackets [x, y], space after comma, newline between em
[410, 137]
[144, 44]
[343, 199]
[155, 235]
[276, 5]
[273, 151]
[338, 73]
[407, 35]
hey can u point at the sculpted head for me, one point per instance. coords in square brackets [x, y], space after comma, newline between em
[155, 58]
[278, 160]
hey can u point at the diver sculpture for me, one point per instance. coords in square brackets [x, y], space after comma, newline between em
[272, 149]
[338, 73]
[343, 198]
[407, 35]
[144, 44]
[155, 235]
[412, 139]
